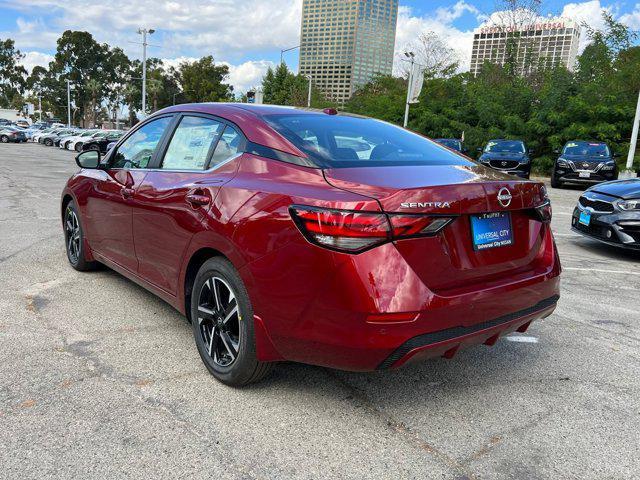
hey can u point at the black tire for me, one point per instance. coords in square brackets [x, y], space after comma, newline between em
[75, 247]
[48, 142]
[554, 182]
[78, 147]
[4, 139]
[207, 311]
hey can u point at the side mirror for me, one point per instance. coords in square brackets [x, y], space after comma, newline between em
[88, 159]
[480, 149]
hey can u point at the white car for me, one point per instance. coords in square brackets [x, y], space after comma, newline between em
[77, 142]
[64, 143]
[46, 131]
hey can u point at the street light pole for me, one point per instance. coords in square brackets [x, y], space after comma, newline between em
[412, 56]
[144, 33]
[40, 106]
[634, 137]
[68, 103]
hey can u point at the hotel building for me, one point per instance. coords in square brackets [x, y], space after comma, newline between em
[552, 41]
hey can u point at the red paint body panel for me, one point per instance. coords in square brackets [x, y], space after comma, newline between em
[312, 304]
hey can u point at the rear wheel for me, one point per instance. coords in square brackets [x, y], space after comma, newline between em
[74, 239]
[222, 319]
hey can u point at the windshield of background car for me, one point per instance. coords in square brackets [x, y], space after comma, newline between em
[344, 142]
[451, 143]
[505, 146]
[587, 149]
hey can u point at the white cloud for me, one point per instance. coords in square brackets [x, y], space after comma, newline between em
[247, 75]
[243, 77]
[632, 19]
[33, 59]
[410, 27]
[589, 12]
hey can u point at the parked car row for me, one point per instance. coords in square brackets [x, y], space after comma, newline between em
[76, 139]
[579, 161]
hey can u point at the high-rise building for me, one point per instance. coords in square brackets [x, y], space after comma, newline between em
[552, 42]
[344, 43]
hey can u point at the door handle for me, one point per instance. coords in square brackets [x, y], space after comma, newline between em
[127, 192]
[198, 200]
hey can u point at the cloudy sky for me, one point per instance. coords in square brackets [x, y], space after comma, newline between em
[247, 34]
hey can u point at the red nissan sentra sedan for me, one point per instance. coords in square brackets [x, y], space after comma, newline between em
[335, 240]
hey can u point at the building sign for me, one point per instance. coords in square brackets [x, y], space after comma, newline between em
[524, 28]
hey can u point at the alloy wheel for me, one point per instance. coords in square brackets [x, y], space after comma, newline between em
[219, 321]
[72, 230]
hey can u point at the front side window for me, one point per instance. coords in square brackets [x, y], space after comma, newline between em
[137, 150]
[344, 141]
[191, 143]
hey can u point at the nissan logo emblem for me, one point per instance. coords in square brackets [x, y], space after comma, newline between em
[585, 165]
[504, 197]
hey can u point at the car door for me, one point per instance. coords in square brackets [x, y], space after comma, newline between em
[109, 203]
[174, 197]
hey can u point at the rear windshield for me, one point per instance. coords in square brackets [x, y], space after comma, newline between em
[587, 149]
[507, 146]
[341, 141]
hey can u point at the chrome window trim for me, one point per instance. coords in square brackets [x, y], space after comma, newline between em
[167, 170]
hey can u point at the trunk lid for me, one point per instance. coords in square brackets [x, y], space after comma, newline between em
[448, 263]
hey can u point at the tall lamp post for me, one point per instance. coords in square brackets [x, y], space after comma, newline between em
[68, 103]
[144, 32]
[309, 95]
[412, 59]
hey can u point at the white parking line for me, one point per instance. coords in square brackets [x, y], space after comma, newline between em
[598, 270]
[521, 339]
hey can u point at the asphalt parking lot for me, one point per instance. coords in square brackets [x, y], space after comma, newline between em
[101, 379]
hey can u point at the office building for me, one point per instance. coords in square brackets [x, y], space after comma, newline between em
[551, 42]
[345, 43]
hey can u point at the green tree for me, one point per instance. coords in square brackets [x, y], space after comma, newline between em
[12, 74]
[283, 87]
[204, 81]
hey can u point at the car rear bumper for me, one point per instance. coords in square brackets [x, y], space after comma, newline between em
[370, 311]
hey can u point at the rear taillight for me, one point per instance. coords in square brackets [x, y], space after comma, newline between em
[544, 212]
[355, 232]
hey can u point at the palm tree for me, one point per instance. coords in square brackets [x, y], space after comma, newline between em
[154, 87]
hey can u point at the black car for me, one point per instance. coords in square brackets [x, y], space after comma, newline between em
[452, 143]
[101, 144]
[610, 212]
[584, 162]
[508, 156]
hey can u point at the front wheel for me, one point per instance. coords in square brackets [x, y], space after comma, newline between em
[48, 142]
[4, 139]
[78, 147]
[74, 239]
[222, 319]
[554, 182]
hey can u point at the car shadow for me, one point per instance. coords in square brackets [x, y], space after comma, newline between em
[605, 250]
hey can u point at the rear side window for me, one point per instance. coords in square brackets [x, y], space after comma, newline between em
[191, 143]
[228, 146]
[344, 141]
